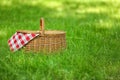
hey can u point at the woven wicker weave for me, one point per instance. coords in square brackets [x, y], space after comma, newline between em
[47, 41]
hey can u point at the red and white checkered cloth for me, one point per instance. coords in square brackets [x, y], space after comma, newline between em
[18, 40]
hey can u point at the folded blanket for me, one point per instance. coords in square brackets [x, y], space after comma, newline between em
[18, 40]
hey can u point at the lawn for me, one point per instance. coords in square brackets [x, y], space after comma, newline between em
[92, 33]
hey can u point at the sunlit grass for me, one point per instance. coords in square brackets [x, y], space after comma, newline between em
[2, 33]
[6, 2]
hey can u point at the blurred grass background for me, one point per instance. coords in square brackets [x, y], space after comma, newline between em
[93, 39]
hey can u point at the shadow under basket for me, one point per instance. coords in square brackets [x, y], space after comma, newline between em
[51, 41]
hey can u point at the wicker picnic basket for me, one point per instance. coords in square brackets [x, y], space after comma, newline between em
[47, 41]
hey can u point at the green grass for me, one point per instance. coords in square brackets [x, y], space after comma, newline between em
[93, 40]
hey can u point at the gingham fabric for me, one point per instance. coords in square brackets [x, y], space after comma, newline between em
[18, 40]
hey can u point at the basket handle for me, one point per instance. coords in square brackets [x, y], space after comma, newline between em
[42, 27]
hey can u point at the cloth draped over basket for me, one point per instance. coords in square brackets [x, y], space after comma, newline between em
[18, 40]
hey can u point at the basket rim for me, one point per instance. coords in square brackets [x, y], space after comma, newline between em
[47, 32]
